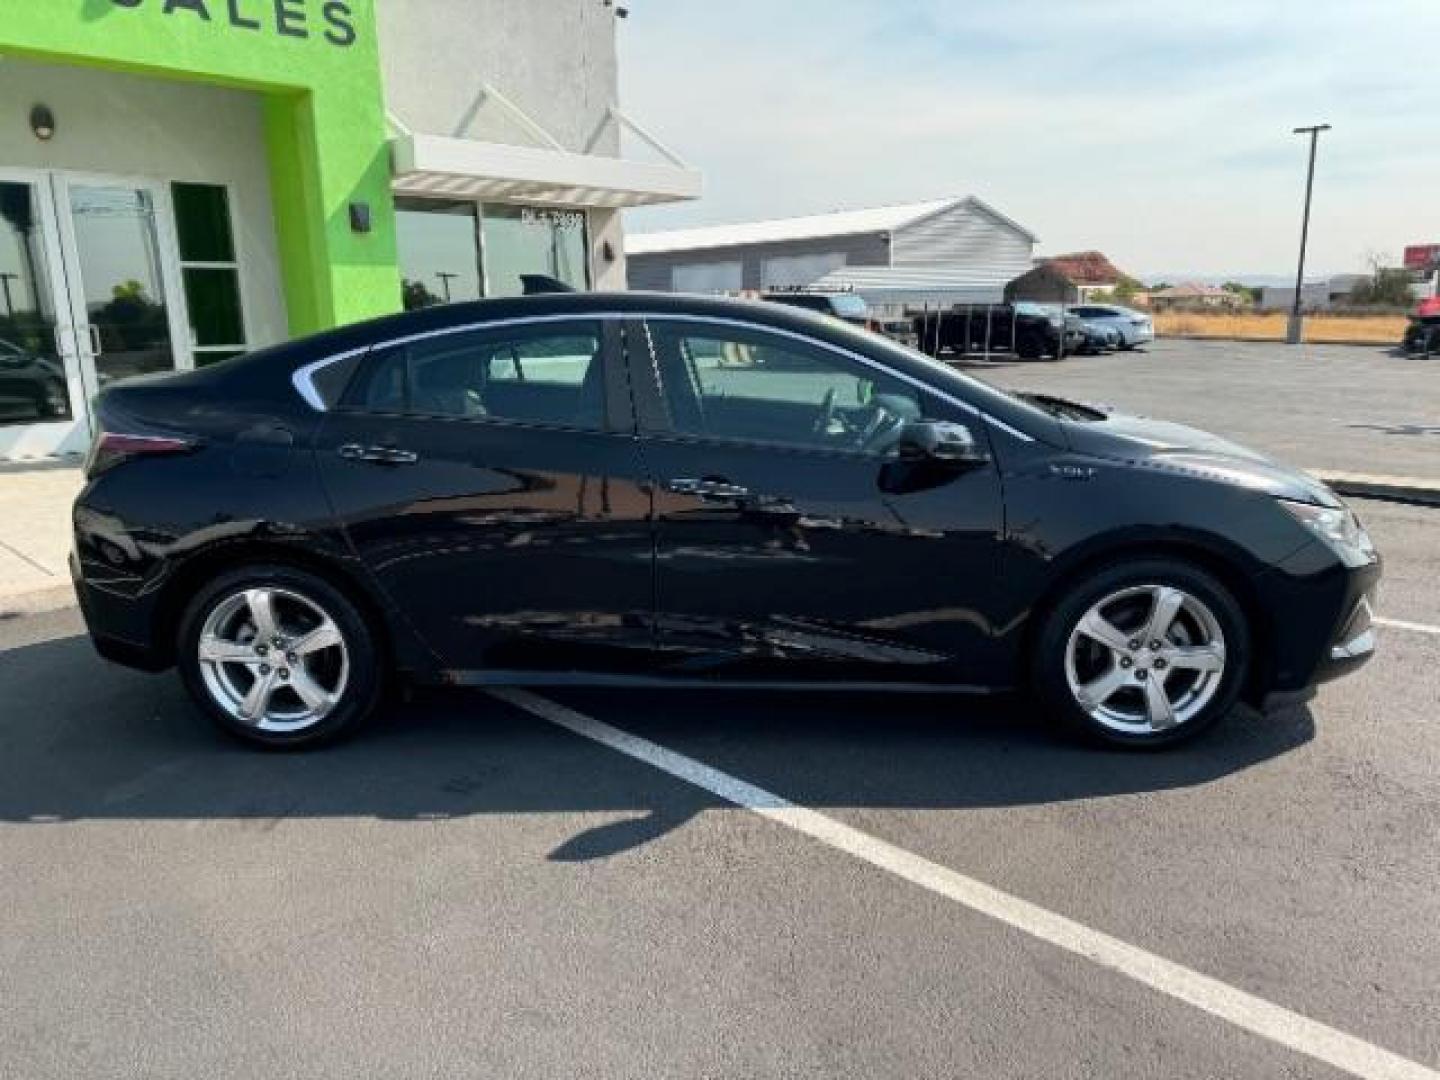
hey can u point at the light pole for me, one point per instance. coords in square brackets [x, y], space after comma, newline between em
[445, 280]
[1293, 333]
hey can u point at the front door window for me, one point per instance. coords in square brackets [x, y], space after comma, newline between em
[32, 370]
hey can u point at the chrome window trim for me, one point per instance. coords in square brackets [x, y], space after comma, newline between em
[303, 378]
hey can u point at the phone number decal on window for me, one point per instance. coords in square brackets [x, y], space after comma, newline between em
[556, 219]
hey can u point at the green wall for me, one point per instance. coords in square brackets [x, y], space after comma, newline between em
[317, 64]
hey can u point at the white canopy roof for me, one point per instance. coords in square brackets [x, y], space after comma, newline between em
[439, 165]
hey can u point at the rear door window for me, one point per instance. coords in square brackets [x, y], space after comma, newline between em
[551, 375]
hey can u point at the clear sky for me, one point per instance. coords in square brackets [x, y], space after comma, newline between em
[1159, 132]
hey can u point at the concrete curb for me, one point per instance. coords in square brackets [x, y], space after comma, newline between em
[1411, 489]
[37, 601]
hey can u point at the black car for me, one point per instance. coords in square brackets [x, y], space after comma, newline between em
[645, 490]
[845, 306]
[1422, 335]
[1029, 330]
[31, 387]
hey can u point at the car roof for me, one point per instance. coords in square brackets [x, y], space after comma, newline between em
[546, 305]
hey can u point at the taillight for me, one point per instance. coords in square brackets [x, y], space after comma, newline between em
[113, 447]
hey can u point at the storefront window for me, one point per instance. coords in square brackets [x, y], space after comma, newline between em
[210, 270]
[533, 240]
[32, 376]
[439, 252]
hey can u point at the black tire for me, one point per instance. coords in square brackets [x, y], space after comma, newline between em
[1050, 683]
[364, 681]
[1029, 347]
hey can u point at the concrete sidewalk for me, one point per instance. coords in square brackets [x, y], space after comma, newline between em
[35, 533]
[35, 525]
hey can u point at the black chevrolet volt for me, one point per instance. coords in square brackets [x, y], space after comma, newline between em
[657, 490]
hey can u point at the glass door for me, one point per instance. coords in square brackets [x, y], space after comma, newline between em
[122, 274]
[39, 377]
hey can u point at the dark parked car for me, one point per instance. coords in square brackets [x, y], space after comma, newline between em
[31, 387]
[1028, 329]
[1422, 335]
[1099, 338]
[651, 490]
[845, 306]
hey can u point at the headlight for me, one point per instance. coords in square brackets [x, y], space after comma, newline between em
[1338, 527]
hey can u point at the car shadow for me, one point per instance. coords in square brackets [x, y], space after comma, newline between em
[84, 740]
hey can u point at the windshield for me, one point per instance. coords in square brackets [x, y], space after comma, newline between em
[946, 379]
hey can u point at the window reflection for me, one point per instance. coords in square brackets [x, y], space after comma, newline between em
[533, 240]
[32, 376]
[439, 252]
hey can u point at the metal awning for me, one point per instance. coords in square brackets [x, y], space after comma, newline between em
[450, 165]
[464, 168]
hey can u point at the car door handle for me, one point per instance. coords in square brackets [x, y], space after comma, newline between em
[378, 455]
[707, 489]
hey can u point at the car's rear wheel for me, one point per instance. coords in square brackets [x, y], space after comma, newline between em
[279, 657]
[1144, 654]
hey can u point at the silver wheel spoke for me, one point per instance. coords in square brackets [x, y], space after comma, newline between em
[1101, 629]
[324, 636]
[219, 651]
[1196, 657]
[1098, 691]
[1138, 637]
[315, 697]
[257, 698]
[1157, 704]
[1162, 616]
[261, 603]
[258, 675]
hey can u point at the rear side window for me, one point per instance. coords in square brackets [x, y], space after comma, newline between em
[550, 375]
[332, 380]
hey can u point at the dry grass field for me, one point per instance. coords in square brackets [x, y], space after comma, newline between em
[1270, 326]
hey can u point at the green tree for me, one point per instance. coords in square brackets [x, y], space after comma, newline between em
[1387, 286]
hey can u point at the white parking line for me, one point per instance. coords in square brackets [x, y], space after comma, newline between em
[1245, 1010]
[1401, 624]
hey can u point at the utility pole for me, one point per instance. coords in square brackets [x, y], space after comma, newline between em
[5, 279]
[1293, 333]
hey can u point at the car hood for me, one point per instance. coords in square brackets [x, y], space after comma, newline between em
[1159, 444]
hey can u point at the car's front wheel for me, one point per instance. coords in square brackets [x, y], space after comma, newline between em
[279, 657]
[1143, 654]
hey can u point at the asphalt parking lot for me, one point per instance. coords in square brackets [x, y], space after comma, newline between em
[920, 887]
[1355, 408]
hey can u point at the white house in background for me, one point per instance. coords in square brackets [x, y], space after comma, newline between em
[935, 253]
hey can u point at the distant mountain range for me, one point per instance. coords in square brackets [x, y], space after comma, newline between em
[1178, 277]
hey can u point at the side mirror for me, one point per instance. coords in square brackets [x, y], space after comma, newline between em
[942, 442]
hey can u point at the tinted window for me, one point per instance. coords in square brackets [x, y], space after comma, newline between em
[757, 387]
[544, 375]
[331, 380]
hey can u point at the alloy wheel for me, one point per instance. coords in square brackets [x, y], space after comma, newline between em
[1145, 659]
[273, 659]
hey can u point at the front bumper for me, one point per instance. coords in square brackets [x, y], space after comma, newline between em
[1321, 619]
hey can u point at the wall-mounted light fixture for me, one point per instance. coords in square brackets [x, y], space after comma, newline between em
[607, 251]
[42, 122]
[360, 217]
